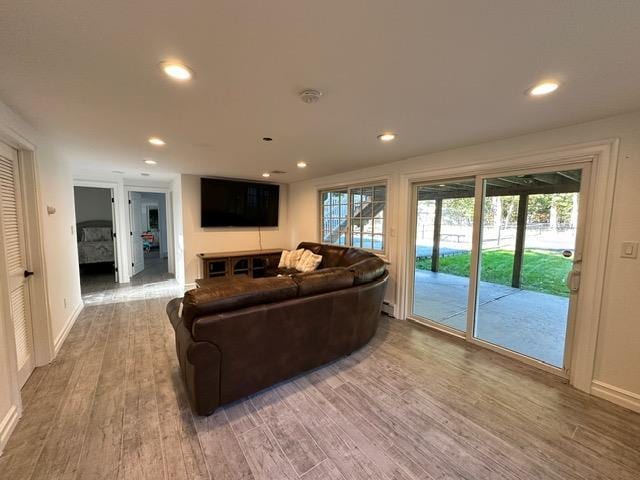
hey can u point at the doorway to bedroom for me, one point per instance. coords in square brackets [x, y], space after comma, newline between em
[96, 237]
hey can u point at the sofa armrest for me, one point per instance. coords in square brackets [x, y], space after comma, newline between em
[368, 270]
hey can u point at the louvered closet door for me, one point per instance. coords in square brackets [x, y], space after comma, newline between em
[15, 260]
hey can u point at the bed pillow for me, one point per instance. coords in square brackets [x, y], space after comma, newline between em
[308, 262]
[96, 234]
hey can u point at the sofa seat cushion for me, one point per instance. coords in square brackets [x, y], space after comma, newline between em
[274, 272]
[234, 295]
[321, 281]
[367, 270]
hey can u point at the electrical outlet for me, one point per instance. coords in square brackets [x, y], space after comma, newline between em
[629, 250]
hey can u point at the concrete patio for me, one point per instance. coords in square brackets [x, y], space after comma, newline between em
[530, 323]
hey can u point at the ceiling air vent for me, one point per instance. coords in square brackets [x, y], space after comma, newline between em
[310, 95]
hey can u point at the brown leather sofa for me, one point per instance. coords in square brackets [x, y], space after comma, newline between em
[237, 337]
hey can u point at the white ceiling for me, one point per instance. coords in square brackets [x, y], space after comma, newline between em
[440, 73]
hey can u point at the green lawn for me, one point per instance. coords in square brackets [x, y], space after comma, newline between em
[542, 271]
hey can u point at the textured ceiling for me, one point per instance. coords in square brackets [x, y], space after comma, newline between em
[440, 73]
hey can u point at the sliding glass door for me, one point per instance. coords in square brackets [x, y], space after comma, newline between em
[443, 240]
[497, 259]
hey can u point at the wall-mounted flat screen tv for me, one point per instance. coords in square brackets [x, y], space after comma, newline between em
[230, 203]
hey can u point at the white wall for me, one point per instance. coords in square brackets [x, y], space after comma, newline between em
[617, 363]
[60, 243]
[92, 203]
[178, 231]
[201, 240]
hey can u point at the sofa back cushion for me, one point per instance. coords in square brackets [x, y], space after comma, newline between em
[321, 281]
[314, 247]
[354, 255]
[331, 256]
[365, 266]
[234, 295]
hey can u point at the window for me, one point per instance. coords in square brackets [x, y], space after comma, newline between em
[354, 216]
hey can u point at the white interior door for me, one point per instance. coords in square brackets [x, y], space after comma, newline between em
[135, 217]
[16, 260]
[114, 235]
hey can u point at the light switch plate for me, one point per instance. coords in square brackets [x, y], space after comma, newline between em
[629, 250]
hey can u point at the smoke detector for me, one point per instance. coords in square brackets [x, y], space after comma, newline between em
[310, 95]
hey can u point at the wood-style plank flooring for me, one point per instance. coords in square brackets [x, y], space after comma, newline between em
[413, 404]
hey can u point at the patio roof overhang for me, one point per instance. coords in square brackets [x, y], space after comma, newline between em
[556, 182]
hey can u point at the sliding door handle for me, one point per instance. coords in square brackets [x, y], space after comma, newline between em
[573, 280]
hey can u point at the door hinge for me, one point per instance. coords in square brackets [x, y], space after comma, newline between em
[113, 200]
[129, 202]
[131, 233]
[132, 264]
[116, 269]
[114, 235]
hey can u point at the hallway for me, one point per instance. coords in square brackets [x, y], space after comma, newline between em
[96, 287]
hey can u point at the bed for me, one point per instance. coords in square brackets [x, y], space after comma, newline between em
[95, 242]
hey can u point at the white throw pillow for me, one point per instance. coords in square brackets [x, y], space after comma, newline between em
[294, 258]
[308, 262]
[284, 259]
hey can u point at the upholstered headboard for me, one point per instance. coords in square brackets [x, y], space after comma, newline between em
[91, 223]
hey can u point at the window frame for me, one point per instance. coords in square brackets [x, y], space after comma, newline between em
[348, 188]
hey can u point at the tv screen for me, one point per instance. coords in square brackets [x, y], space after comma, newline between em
[228, 203]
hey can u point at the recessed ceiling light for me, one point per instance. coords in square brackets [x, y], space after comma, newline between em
[543, 88]
[145, 174]
[177, 71]
[387, 137]
[157, 141]
[301, 164]
[150, 161]
[442, 185]
[266, 174]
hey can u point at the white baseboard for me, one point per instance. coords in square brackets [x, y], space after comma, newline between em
[616, 395]
[62, 336]
[7, 425]
[389, 309]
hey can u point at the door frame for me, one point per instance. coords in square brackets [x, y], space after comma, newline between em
[122, 273]
[169, 219]
[16, 135]
[603, 156]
